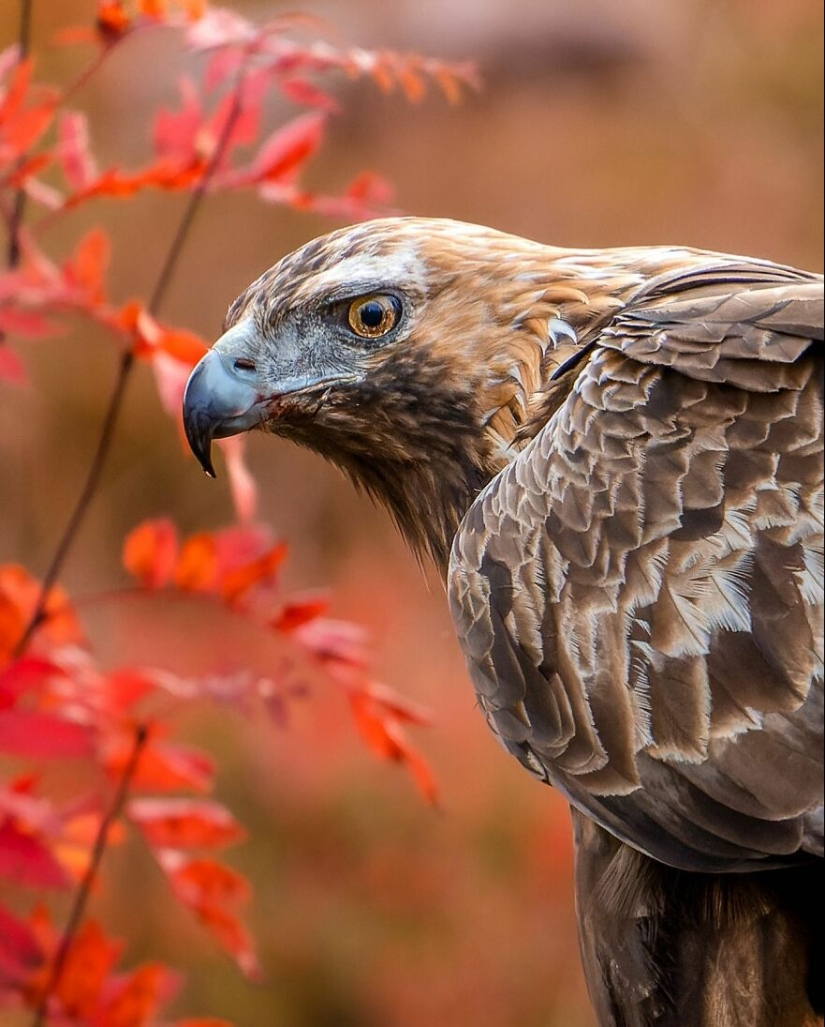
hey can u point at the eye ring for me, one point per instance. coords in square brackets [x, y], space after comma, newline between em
[374, 316]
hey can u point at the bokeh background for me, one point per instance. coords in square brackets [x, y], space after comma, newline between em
[651, 121]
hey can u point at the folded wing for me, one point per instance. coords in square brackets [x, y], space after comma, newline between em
[639, 593]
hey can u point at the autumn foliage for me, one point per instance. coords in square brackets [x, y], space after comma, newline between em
[57, 703]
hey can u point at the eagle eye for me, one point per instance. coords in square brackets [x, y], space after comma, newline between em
[371, 317]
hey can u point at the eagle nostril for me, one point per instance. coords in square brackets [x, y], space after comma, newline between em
[244, 364]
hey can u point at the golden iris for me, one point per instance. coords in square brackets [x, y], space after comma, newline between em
[374, 316]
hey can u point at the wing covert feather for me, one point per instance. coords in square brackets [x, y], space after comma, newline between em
[639, 593]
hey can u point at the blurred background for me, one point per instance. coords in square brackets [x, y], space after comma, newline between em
[695, 122]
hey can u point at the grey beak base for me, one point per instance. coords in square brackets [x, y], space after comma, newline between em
[217, 403]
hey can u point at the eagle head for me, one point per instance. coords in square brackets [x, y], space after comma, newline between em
[401, 349]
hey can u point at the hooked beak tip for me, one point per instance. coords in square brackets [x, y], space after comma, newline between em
[199, 435]
[217, 402]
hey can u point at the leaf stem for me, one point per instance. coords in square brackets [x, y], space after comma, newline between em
[84, 890]
[127, 362]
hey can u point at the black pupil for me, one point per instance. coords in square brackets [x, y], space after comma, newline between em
[372, 315]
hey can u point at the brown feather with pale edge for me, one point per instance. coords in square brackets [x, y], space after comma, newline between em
[622, 452]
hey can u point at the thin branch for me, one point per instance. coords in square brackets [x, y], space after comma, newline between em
[25, 34]
[104, 443]
[19, 209]
[124, 373]
[81, 899]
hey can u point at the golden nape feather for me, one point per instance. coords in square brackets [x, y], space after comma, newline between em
[615, 458]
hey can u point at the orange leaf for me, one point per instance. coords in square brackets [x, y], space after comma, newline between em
[382, 72]
[411, 82]
[197, 566]
[182, 345]
[185, 823]
[19, 593]
[150, 552]
[156, 9]
[112, 20]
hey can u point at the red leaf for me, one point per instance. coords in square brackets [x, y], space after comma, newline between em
[20, 950]
[240, 580]
[298, 612]
[150, 552]
[223, 65]
[26, 860]
[126, 687]
[76, 160]
[84, 271]
[137, 998]
[185, 823]
[184, 346]
[232, 936]
[283, 154]
[245, 119]
[164, 174]
[385, 737]
[21, 126]
[90, 959]
[24, 322]
[300, 91]
[196, 881]
[35, 735]
[370, 189]
[164, 766]
[389, 702]
[176, 132]
[24, 675]
[12, 369]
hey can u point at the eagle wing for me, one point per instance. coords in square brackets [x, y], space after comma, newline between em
[639, 593]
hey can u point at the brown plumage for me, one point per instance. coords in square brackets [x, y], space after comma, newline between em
[615, 458]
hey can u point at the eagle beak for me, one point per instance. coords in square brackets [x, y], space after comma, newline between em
[222, 398]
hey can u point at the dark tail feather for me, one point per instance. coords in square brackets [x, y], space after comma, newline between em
[668, 948]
